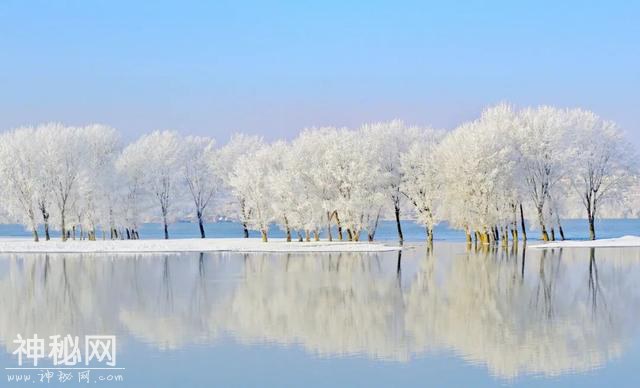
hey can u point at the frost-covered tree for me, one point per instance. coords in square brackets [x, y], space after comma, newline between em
[250, 181]
[360, 182]
[199, 169]
[313, 165]
[98, 183]
[602, 165]
[544, 152]
[389, 141]
[130, 172]
[18, 172]
[477, 171]
[238, 147]
[421, 182]
[286, 187]
[64, 152]
[158, 159]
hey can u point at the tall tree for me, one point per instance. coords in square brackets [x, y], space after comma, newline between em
[603, 164]
[159, 157]
[199, 169]
[390, 141]
[18, 171]
[65, 153]
[238, 147]
[544, 150]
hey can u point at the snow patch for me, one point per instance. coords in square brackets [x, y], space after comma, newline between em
[23, 245]
[624, 241]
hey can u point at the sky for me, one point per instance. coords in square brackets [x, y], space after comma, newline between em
[272, 68]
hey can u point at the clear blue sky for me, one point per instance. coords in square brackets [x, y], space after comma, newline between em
[273, 68]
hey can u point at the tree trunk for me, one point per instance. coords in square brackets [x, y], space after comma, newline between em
[349, 235]
[45, 217]
[128, 234]
[543, 228]
[430, 236]
[307, 235]
[316, 235]
[592, 228]
[63, 227]
[397, 212]
[329, 226]
[35, 235]
[467, 233]
[264, 235]
[522, 224]
[166, 228]
[201, 224]
[553, 234]
[245, 230]
[287, 229]
[561, 231]
[339, 226]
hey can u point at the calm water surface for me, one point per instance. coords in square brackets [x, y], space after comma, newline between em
[446, 317]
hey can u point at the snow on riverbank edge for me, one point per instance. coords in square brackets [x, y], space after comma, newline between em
[23, 245]
[620, 242]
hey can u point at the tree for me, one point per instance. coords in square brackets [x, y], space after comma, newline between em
[421, 182]
[98, 184]
[250, 180]
[390, 140]
[18, 170]
[543, 138]
[602, 165]
[199, 171]
[477, 171]
[130, 169]
[157, 158]
[315, 185]
[64, 152]
[239, 146]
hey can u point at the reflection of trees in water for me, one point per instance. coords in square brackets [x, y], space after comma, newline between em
[516, 313]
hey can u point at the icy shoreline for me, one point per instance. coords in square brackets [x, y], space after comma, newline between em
[24, 245]
[620, 242]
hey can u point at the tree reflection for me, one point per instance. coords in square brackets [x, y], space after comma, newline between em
[513, 310]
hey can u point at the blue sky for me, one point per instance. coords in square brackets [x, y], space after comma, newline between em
[273, 68]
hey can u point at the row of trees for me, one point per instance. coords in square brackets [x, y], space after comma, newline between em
[483, 177]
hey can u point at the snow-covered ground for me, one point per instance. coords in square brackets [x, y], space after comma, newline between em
[22, 245]
[625, 241]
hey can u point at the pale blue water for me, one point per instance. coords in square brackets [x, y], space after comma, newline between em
[573, 228]
[447, 317]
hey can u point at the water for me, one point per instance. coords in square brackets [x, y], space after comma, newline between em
[575, 229]
[447, 317]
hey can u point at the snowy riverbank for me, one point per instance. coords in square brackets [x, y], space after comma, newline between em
[620, 242]
[21, 245]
